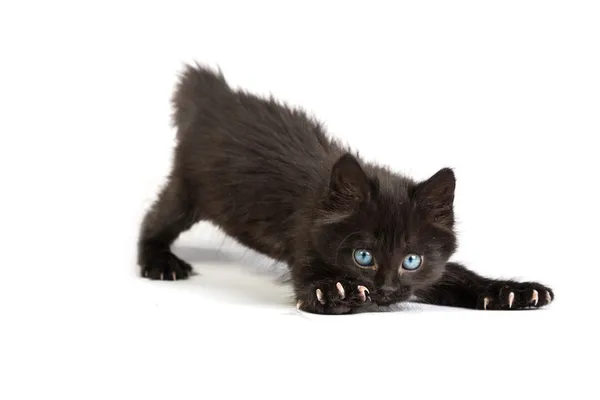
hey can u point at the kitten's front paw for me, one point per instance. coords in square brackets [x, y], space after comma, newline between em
[333, 297]
[514, 296]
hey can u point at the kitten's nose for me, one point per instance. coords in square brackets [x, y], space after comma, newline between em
[388, 289]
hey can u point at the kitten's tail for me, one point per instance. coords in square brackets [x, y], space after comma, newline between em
[198, 88]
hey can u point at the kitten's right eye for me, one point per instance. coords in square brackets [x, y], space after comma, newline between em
[363, 258]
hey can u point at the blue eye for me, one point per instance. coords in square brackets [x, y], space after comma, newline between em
[411, 262]
[363, 258]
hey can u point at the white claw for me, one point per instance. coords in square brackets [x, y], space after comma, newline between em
[486, 301]
[341, 290]
[320, 296]
[174, 276]
[298, 305]
[362, 293]
[548, 297]
[534, 297]
[161, 276]
[511, 298]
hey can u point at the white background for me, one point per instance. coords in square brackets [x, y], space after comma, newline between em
[506, 93]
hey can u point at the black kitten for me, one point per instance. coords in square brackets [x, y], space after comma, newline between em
[351, 232]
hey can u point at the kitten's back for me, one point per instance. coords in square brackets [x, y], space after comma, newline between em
[253, 164]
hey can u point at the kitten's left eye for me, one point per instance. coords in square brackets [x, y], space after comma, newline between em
[411, 262]
[363, 258]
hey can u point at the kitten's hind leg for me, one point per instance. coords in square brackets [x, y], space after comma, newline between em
[173, 212]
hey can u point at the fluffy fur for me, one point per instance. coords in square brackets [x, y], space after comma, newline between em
[269, 176]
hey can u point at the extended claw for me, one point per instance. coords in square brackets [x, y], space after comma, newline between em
[486, 301]
[341, 290]
[534, 297]
[174, 275]
[319, 294]
[548, 297]
[298, 305]
[161, 276]
[362, 293]
[511, 298]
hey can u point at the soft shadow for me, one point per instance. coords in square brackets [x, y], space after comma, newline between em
[205, 255]
[237, 276]
[242, 258]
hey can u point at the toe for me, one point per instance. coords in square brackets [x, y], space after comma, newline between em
[363, 292]
[511, 299]
[341, 291]
[534, 298]
[320, 296]
[486, 303]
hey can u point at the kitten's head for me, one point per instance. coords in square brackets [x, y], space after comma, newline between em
[393, 233]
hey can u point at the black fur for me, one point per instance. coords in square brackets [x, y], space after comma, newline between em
[269, 176]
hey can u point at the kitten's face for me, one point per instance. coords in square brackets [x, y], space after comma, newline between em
[393, 234]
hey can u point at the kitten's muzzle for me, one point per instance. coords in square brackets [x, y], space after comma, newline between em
[388, 295]
[385, 295]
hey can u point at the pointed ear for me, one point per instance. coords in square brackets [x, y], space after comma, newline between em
[435, 197]
[348, 182]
